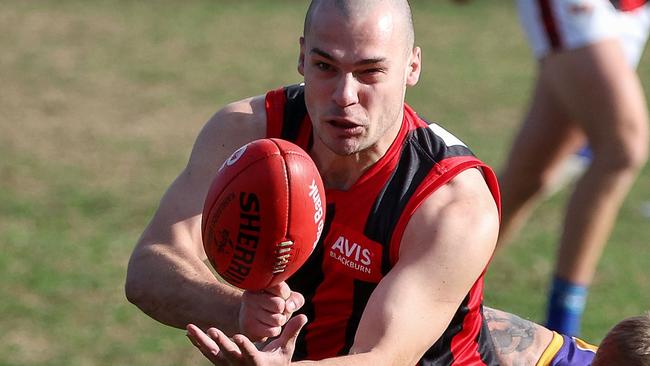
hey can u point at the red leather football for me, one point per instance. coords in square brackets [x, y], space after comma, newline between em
[263, 214]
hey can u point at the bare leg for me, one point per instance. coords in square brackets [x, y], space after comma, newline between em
[604, 95]
[546, 138]
[592, 92]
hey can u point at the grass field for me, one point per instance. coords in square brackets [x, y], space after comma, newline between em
[100, 102]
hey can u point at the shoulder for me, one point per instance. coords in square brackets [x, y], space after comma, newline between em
[243, 119]
[466, 196]
[432, 139]
[229, 128]
[460, 214]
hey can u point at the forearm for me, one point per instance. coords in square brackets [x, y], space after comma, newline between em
[516, 340]
[177, 289]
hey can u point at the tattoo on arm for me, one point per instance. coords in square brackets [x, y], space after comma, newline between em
[512, 335]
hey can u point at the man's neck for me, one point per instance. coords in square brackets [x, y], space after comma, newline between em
[341, 172]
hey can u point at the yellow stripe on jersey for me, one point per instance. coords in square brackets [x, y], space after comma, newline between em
[584, 345]
[550, 351]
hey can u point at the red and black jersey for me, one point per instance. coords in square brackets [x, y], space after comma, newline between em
[628, 5]
[362, 234]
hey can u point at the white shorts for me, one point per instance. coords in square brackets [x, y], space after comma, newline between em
[555, 25]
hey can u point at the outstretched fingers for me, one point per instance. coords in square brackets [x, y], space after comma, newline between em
[249, 352]
[203, 342]
[229, 350]
[286, 342]
[239, 350]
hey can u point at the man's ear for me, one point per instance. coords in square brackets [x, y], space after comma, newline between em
[414, 67]
[301, 57]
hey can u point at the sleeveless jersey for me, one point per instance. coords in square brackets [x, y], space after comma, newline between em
[363, 230]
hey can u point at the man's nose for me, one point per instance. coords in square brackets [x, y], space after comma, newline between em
[347, 90]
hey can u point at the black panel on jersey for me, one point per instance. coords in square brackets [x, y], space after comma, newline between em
[306, 281]
[294, 112]
[431, 143]
[362, 290]
[485, 344]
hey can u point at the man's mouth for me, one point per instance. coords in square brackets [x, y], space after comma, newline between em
[343, 123]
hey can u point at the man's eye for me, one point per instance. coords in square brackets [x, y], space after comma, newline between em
[371, 71]
[322, 66]
[371, 75]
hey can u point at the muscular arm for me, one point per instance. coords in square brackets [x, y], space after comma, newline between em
[445, 248]
[517, 341]
[167, 277]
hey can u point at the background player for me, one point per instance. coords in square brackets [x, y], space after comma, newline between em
[409, 194]
[586, 90]
[522, 342]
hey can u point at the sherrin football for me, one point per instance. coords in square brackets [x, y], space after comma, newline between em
[263, 214]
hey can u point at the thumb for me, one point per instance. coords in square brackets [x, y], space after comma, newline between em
[294, 302]
[290, 333]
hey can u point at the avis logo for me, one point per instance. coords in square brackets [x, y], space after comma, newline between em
[352, 255]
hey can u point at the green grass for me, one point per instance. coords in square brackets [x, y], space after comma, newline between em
[99, 106]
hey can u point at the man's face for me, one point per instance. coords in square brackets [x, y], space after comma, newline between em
[356, 72]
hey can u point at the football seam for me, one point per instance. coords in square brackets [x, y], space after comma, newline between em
[287, 181]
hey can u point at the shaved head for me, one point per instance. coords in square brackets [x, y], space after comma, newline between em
[357, 58]
[355, 9]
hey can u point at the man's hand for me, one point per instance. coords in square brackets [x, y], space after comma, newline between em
[263, 313]
[239, 350]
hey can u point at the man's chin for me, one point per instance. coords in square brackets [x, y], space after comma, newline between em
[345, 152]
[345, 148]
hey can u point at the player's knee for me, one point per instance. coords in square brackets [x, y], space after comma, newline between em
[635, 145]
[632, 157]
[624, 161]
[640, 156]
[629, 154]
